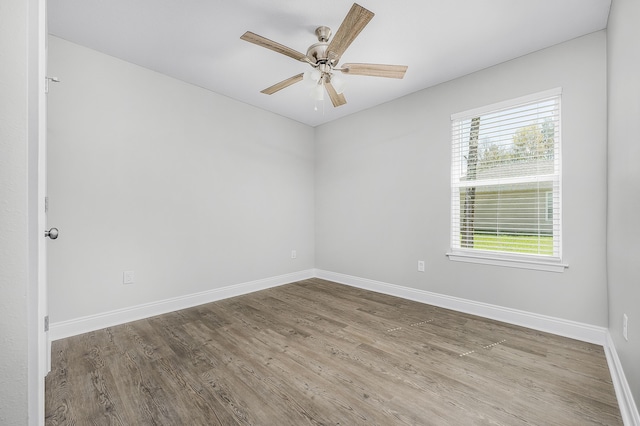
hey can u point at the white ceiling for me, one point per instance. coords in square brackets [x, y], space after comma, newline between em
[198, 41]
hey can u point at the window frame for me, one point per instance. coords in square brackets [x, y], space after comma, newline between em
[509, 259]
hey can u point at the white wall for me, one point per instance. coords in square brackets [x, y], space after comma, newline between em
[191, 190]
[623, 243]
[383, 198]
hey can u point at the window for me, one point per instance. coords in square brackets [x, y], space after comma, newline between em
[505, 183]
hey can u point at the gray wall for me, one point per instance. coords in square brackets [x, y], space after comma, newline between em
[191, 190]
[383, 197]
[623, 233]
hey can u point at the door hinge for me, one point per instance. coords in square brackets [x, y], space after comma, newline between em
[46, 323]
[46, 204]
[47, 80]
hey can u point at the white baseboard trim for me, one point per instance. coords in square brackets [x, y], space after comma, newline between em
[62, 329]
[571, 329]
[561, 327]
[628, 407]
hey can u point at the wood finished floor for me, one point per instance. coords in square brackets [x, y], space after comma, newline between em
[320, 353]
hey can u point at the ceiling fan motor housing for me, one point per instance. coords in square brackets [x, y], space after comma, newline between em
[317, 52]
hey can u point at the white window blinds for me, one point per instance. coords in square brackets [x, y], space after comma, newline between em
[505, 181]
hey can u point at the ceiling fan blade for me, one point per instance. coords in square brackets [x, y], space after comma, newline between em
[284, 83]
[276, 47]
[375, 70]
[337, 99]
[355, 21]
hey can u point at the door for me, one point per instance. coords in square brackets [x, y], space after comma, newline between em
[44, 237]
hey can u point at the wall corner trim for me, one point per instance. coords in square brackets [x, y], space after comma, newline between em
[63, 329]
[628, 408]
[562, 327]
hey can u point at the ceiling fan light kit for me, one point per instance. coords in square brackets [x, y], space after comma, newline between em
[311, 76]
[317, 92]
[324, 56]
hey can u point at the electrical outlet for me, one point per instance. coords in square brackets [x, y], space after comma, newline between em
[128, 277]
[420, 265]
[294, 254]
[625, 327]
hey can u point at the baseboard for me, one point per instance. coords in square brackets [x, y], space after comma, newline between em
[62, 329]
[561, 327]
[571, 329]
[628, 408]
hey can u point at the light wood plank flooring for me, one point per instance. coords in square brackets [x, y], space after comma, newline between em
[321, 353]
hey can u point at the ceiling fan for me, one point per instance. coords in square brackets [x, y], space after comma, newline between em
[324, 56]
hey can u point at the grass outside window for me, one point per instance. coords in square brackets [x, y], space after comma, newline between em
[528, 244]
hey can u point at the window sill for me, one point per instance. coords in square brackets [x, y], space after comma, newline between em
[509, 261]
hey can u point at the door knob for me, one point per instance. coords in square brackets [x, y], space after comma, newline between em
[52, 233]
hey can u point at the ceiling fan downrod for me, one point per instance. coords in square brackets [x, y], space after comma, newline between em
[323, 33]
